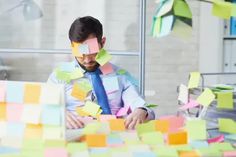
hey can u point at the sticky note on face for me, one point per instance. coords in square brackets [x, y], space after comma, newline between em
[117, 124]
[14, 112]
[91, 108]
[33, 131]
[196, 129]
[225, 100]
[84, 49]
[110, 84]
[93, 45]
[15, 92]
[75, 49]
[194, 80]
[177, 138]
[32, 93]
[51, 115]
[3, 111]
[103, 57]
[206, 97]
[106, 68]
[31, 114]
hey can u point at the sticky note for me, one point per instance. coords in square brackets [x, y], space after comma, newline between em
[14, 112]
[117, 124]
[15, 92]
[32, 93]
[33, 131]
[142, 154]
[225, 100]
[221, 9]
[73, 147]
[51, 114]
[50, 94]
[191, 153]
[165, 8]
[103, 57]
[233, 10]
[75, 49]
[52, 132]
[3, 130]
[165, 151]
[224, 146]
[91, 108]
[162, 125]
[91, 128]
[227, 125]
[198, 144]
[3, 111]
[177, 138]
[206, 97]
[229, 153]
[182, 9]
[152, 138]
[75, 74]
[182, 147]
[12, 127]
[52, 152]
[84, 48]
[2, 91]
[175, 122]
[216, 139]
[31, 114]
[189, 105]
[92, 140]
[63, 76]
[67, 66]
[110, 84]
[209, 152]
[106, 118]
[182, 29]
[146, 127]
[194, 80]
[80, 90]
[106, 68]
[196, 129]
[79, 111]
[183, 94]
[114, 139]
[93, 45]
[156, 26]
[121, 72]
[60, 143]
[124, 111]
[166, 25]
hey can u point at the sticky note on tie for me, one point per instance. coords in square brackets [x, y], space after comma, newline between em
[50, 94]
[177, 138]
[206, 97]
[146, 127]
[227, 125]
[59, 152]
[162, 125]
[96, 140]
[182, 9]
[103, 57]
[3, 111]
[75, 49]
[225, 100]
[196, 129]
[91, 108]
[221, 9]
[2, 91]
[152, 138]
[51, 115]
[194, 80]
[110, 83]
[31, 114]
[15, 92]
[32, 93]
[14, 112]
[93, 45]
[117, 124]
[33, 131]
[106, 68]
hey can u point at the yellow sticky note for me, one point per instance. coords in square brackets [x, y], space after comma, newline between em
[33, 144]
[152, 138]
[206, 97]
[91, 128]
[95, 140]
[191, 153]
[91, 108]
[225, 100]
[146, 127]
[33, 131]
[117, 124]
[233, 11]
[227, 125]
[32, 93]
[3, 111]
[182, 9]
[103, 57]
[162, 125]
[221, 9]
[77, 73]
[194, 80]
[78, 93]
[177, 138]
[80, 111]
[196, 129]
[75, 49]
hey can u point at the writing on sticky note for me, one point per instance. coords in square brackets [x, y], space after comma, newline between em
[106, 68]
[162, 125]
[15, 91]
[3, 111]
[2, 91]
[146, 127]
[103, 57]
[194, 80]
[189, 105]
[117, 124]
[75, 49]
[84, 49]
[225, 100]
[91, 108]
[59, 152]
[152, 138]
[182, 9]
[51, 115]
[93, 45]
[31, 114]
[32, 93]
[33, 131]
[177, 138]
[206, 97]
[50, 94]
[222, 9]
[196, 129]
[227, 125]
[14, 112]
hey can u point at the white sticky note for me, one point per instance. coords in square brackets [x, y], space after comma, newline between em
[50, 94]
[183, 94]
[166, 25]
[31, 114]
[52, 132]
[3, 129]
[110, 83]
[51, 114]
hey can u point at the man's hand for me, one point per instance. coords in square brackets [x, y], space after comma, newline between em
[73, 121]
[136, 117]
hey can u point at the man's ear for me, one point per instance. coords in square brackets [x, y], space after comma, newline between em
[103, 41]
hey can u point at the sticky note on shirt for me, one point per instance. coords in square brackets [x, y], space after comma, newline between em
[103, 57]
[206, 97]
[177, 138]
[93, 45]
[91, 108]
[110, 84]
[32, 93]
[117, 124]
[225, 100]
[33, 131]
[194, 80]
[51, 114]
[196, 129]
[14, 112]
[182, 9]
[50, 94]
[152, 138]
[106, 68]
[222, 9]
[227, 125]
[76, 73]
[63, 76]
[15, 92]
[80, 90]
[31, 114]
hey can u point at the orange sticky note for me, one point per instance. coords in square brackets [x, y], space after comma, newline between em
[75, 49]
[80, 111]
[33, 131]
[78, 92]
[162, 125]
[117, 124]
[95, 140]
[177, 138]
[191, 153]
[32, 93]
[3, 111]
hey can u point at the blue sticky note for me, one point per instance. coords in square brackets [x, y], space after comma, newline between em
[166, 25]
[15, 129]
[142, 154]
[98, 150]
[199, 144]
[110, 83]
[15, 92]
[51, 114]
[8, 150]
[67, 66]
[84, 49]
[114, 139]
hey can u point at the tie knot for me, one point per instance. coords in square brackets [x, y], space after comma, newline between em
[96, 72]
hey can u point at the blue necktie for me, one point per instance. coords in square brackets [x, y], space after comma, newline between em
[100, 91]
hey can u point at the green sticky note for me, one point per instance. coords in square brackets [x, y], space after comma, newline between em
[182, 147]
[182, 9]
[76, 147]
[30, 153]
[222, 146]
[209, 152]
[121, 72]
[52, 132]
[85, 86]
[64, 76]
[33, 144]
[156, 27]
[103, 57]
[91, 108]
[77, 73]
[206, 97]
[165, 151]
[221, 9]
[91, 128]
[152, 138]
[196, 129]
[227, 125]
[145, 127]
[54, 143]
[225, 100]
[194, 80]
[151, 105]
[233, 11]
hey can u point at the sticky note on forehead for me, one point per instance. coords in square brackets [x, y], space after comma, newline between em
[75, 50]
[93, 45]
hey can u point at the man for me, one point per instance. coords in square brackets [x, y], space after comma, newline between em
[85, 34]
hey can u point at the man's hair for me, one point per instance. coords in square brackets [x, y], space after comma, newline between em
[82, 27]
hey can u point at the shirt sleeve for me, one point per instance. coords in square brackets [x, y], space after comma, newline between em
[133, 99]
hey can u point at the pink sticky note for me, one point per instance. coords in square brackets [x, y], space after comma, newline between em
[229, 153]
[191, 104]
[2, 91]
[176, 122]
[58, 152]
[106, 68]
[93, 45]
[105, 118]
[14, 112]
[87, 120]
[123, 111]
[217, 139]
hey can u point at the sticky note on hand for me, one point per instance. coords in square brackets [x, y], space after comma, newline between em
[103, 57]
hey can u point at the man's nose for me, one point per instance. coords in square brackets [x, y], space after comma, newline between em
[88, 59]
